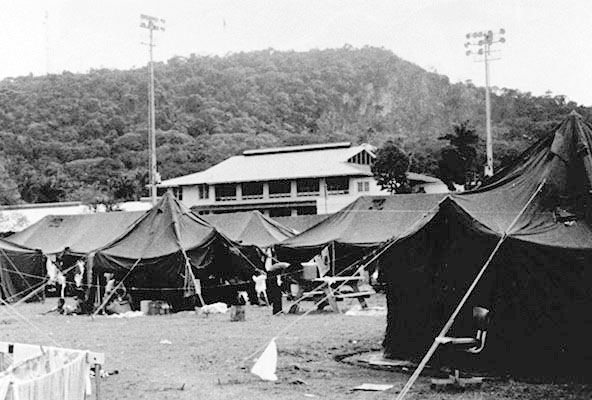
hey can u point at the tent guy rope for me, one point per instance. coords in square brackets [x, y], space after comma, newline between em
[364, 264]
[464, 299]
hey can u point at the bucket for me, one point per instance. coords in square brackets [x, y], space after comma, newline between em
[294, 289]
[145, 306]
[309, 271]
[237, 313]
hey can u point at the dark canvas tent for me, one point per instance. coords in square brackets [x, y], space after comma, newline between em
[22, 270]
[360, 227]
[80, 233]
[250, 228]
[538, 285]
[300, 223]
[165, 246]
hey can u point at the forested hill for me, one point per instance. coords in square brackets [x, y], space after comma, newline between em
[84, 136]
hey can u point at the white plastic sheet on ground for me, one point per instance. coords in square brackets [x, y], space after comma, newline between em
[357, 311]
[266, 365]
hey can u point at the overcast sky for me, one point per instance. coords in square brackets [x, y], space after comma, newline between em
[547, 41]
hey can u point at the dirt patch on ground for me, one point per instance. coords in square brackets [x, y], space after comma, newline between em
[208, 356]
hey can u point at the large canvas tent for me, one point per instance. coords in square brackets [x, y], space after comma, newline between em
[22, 270]
[80, 234]
[535, 218]
[254, 232]
[168, 246]
[362, 226]
[250, 228]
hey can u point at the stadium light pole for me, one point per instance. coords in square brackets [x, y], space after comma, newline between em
[152, 24]
[483, 41]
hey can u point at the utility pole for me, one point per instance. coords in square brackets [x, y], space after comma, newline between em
[483, 40]
[152, 24]
[46, 23]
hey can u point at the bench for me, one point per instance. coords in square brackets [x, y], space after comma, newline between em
[313, 293]
[353, 295]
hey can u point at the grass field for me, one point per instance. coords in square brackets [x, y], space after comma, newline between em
[206, 356]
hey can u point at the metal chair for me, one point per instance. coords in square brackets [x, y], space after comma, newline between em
[472, 345]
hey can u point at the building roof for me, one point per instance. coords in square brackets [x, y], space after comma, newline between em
[415, 177]
[308, 161]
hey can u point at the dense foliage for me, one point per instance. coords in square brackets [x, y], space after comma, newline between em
[84, 136]
[390, 168]
[458, 161]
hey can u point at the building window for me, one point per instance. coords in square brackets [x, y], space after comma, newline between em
[252, 190]
[178, 192]
[364, 186]
[339, 185]
[309, 210]
[280, 189]
[204, 191]
[226, 192]
[280, 212]
[307, 187]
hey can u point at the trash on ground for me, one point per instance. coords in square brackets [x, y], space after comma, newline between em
[373, 387]
[127, 314]
[216, 308]
[357, 311]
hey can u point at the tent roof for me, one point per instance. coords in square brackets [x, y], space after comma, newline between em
[81, 233]
[167, 228]
[551, 178]
[7, 246]
[368, 221]
[300, 223]
[250, 228]
[555, 173]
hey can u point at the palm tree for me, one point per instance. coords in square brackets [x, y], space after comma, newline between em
[458, 160]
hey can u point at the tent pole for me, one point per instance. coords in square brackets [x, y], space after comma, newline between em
[196, 283]
[333, 258]
[464, 299]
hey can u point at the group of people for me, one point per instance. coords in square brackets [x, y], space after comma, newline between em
[116, 300]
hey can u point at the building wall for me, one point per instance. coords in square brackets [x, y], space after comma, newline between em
[298, 203]
[18, 217]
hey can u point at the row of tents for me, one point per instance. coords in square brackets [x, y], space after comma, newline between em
[529, 226]
[167, 249]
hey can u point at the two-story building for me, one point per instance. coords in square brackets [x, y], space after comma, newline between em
[294, 180]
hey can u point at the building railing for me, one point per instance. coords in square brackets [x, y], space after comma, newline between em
[308, 194]
[252, 197]
[279, 195]
[226, 198]
[337, 192]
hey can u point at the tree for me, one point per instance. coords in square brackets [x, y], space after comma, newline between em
[9, 193]
[390, 168]
[457, 162]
